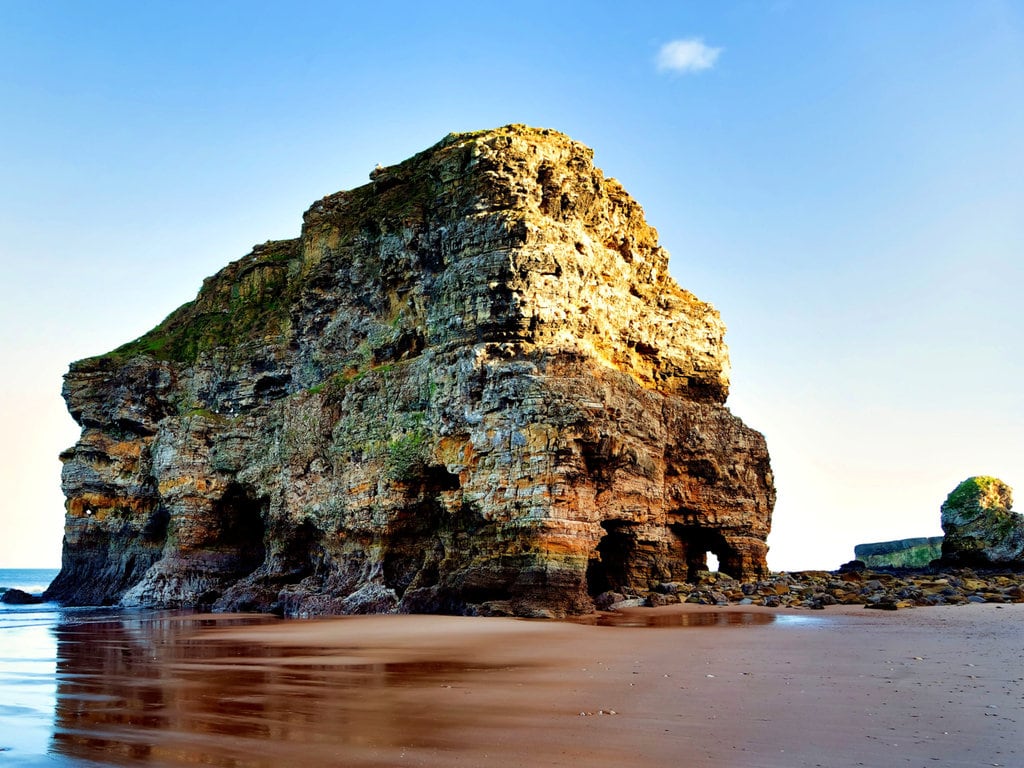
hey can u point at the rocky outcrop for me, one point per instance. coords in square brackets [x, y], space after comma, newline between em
[980, 527]
[470, 386]
[19, 597]
[901, 553]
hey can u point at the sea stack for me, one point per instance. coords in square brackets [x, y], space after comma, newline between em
[981, 529]
[470, 386]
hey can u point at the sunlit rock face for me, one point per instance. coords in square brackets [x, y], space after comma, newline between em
[470, 386]
[980, 527]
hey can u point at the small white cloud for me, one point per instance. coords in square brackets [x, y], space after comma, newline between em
[690, 55]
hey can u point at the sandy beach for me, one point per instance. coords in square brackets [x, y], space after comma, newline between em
[683, 685]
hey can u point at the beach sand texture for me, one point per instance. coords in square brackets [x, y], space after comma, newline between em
[681, 686]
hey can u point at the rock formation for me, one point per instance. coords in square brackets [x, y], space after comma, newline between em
[469, 386]
[980, 527]
[19, 597]
[901, 553]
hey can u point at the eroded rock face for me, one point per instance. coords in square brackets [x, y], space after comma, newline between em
[979, 525]
[470, 386]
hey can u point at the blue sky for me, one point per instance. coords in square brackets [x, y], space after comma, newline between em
[844, 181]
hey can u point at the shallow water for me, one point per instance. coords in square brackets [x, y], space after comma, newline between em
[647, 618]
[702, 619]
[151, 689]
[109, 687]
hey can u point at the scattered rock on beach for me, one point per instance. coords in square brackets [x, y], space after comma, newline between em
[816, 590]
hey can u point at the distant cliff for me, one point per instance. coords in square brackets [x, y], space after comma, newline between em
[470, 386]
[901, 553]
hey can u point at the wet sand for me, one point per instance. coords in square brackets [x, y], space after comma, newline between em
[679, 686]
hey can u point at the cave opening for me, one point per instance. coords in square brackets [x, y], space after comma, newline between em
[296, 550]
[704, 550]
[155, 529]
[241, 537]
[412, 546]
[609, 566]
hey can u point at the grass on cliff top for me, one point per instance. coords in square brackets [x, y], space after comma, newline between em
[247, 300]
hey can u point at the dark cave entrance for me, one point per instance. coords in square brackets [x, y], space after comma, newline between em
[296, 550]
[412, 546]
[610, 565]
[419, 536]
[697, 543]
[241, 534]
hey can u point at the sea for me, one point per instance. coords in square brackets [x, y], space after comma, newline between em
[80, 686]
[28, 671]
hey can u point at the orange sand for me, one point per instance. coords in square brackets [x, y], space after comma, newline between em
[738, 687]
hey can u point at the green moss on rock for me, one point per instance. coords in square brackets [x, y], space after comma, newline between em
[407, 455]
[980, 527]
[981, 492]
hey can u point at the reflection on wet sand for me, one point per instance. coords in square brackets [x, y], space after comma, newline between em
[158, 691]
[647, 618]
[733, 689]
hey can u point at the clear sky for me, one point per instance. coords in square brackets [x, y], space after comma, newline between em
[843, 180]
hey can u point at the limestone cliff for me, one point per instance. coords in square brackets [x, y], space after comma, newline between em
[469, 386]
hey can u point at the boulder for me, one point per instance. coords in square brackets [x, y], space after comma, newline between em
[981, 530]
[19, 597]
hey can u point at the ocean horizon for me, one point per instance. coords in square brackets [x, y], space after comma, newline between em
[31, 580]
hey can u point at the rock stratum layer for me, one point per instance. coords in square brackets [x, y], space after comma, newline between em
[469, 386]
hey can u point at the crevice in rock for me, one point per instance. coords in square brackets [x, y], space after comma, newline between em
[409, 344]
[155, 529]
[272, 387]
